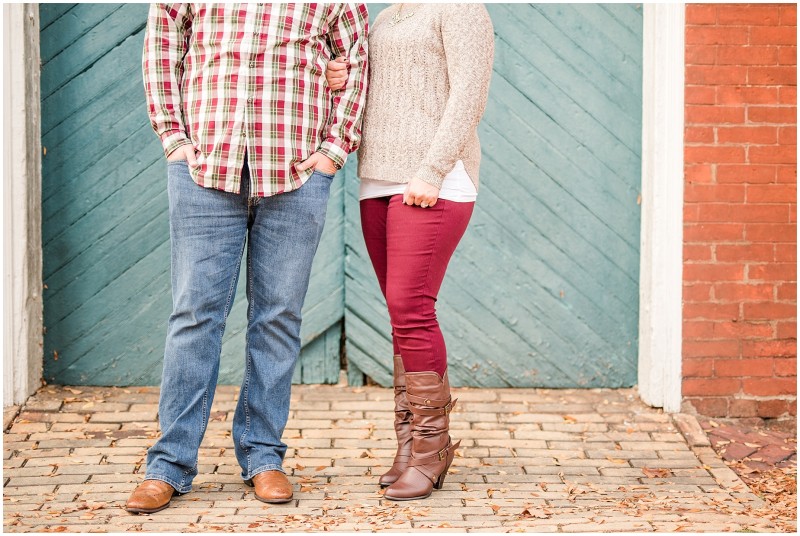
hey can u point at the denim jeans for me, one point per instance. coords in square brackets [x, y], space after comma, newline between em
[209, 232]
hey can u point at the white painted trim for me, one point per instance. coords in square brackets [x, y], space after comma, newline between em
[661, 264]
[22, 225]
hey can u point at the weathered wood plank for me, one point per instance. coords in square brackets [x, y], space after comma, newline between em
[592, 132]
[126, 22]
[113, 130]
[49, 13]
[556, 182]
[591, 38]
[100, 78]
[71, 26]
[556, 55]
[628, 15]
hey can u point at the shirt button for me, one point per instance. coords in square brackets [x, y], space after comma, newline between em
[252, 64]
[250, 100]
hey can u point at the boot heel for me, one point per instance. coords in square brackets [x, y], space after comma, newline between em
[439, 481]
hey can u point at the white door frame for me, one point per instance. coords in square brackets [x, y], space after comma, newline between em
[22, 200]
[661, 251]
[661, 255]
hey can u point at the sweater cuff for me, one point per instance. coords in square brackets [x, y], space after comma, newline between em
[336, 150]
[430, 176]
[172, 139]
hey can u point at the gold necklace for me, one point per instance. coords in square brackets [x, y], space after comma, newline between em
[396, 18]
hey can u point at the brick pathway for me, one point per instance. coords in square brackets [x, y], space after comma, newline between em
[757, 450]
[531, 459]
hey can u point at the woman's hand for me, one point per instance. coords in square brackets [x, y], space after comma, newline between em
[419, 192]
[336, 74]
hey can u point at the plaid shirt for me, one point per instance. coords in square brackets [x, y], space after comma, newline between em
[230, 78]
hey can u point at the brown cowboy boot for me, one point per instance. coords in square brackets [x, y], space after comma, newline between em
[402, 426]
[271, 487]
[432, 450]
[149, 497]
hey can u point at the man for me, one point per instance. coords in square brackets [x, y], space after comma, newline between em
[253, 137]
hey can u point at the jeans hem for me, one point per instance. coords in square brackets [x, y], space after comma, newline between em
[263, 468]
[173, 483]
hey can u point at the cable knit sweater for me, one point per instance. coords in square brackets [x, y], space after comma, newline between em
[428, 85]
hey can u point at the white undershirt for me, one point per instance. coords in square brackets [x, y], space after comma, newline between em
[457, 186]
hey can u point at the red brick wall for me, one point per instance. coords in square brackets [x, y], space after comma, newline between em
[740, 211]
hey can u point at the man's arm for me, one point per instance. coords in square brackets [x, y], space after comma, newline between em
[166, 42]
[348, 41]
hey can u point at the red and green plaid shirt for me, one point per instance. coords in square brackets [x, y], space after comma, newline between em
[230, 78]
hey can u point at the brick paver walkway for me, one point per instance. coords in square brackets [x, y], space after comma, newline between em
[531, 459]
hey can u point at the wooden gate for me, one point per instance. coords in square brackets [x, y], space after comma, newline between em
[543, 290]
[105, 225]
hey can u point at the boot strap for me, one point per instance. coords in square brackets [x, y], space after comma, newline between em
[434, 458]
[424, 401]
[446, 409]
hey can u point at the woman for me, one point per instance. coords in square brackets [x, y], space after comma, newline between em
[430, 67]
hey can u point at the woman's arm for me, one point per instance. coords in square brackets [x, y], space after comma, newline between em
[468, 39]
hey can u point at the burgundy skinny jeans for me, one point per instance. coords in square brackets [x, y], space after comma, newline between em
[410, 248]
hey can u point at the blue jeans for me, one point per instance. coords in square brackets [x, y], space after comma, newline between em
[209, 231]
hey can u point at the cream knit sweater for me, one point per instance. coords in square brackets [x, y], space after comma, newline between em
[428, 84]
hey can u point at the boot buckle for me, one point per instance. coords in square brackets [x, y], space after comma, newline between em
[442, 453]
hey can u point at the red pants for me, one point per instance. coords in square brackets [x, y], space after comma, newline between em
[410, 248]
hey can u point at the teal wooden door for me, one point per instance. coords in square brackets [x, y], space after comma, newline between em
[543, 290]
[104, 211]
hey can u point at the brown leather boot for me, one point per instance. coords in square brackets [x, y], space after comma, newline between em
[432, 450]
[149, 497]
[271, 487]
[402, 426]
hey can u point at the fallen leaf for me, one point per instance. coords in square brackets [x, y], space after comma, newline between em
[656, 473]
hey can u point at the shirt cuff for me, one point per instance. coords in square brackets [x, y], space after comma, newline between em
[430, 176]
[172, 139]
[336, 150]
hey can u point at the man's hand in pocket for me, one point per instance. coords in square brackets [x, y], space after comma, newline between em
[184, 152]
[319, 162]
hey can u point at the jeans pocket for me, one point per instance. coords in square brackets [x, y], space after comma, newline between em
[324, 174]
